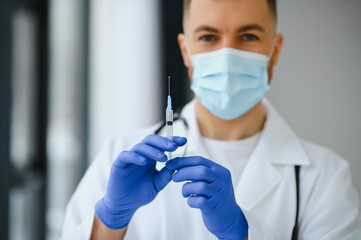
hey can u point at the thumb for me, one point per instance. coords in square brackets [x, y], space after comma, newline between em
[162, 178]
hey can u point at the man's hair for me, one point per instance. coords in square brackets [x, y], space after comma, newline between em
[272, 4]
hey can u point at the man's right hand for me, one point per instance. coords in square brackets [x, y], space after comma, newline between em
[134, 181]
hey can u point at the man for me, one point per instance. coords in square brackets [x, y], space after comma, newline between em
[243, 171]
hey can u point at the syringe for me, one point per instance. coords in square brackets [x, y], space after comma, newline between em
[169, 119]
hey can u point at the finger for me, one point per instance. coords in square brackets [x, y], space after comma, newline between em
[197, 202]
[182, 162]
[180, 141]
[199, 189]
[203, 203]
[195, 173]
[162, 178]
[149, 152]
[161, 143]
[126, 157]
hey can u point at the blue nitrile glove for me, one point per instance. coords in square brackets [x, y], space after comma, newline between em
[134, 181]
[210, 189]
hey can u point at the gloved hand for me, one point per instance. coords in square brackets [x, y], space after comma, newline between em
[210, 189]
[134, 181]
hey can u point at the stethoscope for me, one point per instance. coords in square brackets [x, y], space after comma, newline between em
[178, 117]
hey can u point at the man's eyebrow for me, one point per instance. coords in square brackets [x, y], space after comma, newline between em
[206, 28]
[244, 28]
[251, 27]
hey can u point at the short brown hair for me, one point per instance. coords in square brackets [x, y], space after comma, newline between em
[272, 4]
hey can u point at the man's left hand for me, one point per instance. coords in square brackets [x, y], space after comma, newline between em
[209, 188]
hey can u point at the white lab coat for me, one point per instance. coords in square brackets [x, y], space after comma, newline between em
[329, 205]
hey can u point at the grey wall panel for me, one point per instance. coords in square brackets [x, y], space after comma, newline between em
[317, 84]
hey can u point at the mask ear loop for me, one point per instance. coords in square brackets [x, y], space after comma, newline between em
[273, 47]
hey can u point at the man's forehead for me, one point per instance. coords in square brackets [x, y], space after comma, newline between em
[228, 13]
[188, 4]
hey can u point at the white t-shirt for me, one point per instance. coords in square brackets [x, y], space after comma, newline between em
[232, 155]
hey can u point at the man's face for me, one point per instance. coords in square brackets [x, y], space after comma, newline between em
[247, 25]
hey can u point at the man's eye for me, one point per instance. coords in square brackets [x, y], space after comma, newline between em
[207, 38]
[249, 37]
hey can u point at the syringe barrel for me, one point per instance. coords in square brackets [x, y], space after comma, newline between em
[169, 115]
[169, 132]
[169, 128]
[169, 124]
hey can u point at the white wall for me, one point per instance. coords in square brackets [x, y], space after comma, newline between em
[317, 85]
[124, 68]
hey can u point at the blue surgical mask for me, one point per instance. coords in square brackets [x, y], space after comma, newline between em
[229, 82]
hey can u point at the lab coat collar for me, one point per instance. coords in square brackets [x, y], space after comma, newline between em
[195, 144]
[278, 145]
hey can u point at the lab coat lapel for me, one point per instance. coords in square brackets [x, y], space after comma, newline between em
[194, 144]
[258, 179]
[278, 145]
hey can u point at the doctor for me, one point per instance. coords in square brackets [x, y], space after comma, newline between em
[240, 172]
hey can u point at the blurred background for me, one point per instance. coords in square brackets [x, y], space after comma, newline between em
[74, 73]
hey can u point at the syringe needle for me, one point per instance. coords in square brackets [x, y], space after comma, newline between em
[168, 85]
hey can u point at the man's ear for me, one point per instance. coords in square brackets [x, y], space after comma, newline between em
[183, 49]
[277, 51]
[275, 56]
